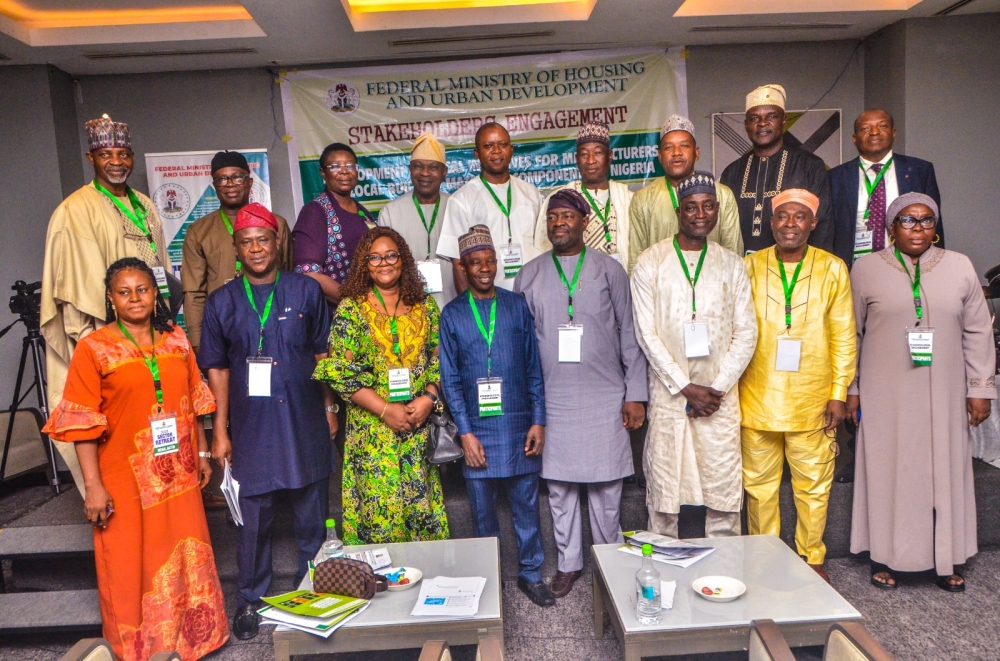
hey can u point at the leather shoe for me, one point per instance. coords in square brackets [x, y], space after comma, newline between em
[246, 622]
[213, 502]
[563, 582]
[537, 592]
[845, 475]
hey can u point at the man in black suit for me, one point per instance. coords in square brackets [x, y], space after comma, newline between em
[864, 187]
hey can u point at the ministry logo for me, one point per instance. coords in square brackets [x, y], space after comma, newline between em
[342, 98]
[172, 201]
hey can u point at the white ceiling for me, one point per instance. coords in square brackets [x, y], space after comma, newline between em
[314, 32]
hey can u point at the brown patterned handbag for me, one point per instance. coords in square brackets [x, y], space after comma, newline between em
[348, 578]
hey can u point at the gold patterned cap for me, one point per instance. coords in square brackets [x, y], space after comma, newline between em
[767, 95]
[427, 148]
[477, 238]
[106, 133]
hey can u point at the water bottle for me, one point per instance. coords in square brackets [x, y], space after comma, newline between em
[333, 547]
[647, 589]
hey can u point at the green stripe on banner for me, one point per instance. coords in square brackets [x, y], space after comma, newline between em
[544, 163]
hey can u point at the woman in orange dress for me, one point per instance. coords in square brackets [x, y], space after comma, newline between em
[159, 589]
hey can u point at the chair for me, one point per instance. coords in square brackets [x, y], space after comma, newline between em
[89, 649]
[437, 650]
[850, 641]
[767, 643]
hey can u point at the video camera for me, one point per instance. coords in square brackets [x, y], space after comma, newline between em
[27, 302]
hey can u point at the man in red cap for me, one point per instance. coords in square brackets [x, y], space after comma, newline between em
[262, 335]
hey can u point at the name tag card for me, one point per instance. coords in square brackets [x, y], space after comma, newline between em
[259, 376]
[615, 256]
[490, 396]
[161, 280]
[789, 354]
[570, 342]
[512, 260]
[399, 385]
[164, 428]
[862, 243]
[695, 339]
[921, 342]
[430, 271]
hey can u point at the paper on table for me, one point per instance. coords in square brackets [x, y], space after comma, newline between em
[668, 560]
[450, 597]
[667, 590]
[231, 490]
[290, 622]
[376, 558]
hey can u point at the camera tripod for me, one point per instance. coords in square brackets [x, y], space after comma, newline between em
[35, 344]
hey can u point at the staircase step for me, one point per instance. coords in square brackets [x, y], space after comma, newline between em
[46, 541]
[65, 610]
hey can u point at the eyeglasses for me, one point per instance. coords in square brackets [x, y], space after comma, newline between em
[376, 260]
[831, 435]
[235, 180]
[909, 222]
[337, 168]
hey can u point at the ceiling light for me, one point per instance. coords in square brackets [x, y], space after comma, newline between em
[168, 53]
[692, 8]
[370, 15]
[33, 19]
[367, 6]
[430, 41]
[770, 27]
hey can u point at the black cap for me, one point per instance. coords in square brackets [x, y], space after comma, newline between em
[229, 159]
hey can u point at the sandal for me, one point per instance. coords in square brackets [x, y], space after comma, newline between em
[878, 568]
[944, 584]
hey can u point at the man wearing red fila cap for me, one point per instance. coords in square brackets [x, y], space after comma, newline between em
[262, 335]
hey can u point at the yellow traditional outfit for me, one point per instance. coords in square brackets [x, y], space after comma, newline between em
[784, 411]
[87, 233]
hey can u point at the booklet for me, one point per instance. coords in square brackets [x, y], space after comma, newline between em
[317, 627]
[231, 490]
[376, 558]
[677, 552]
[313, 604]
[442, 596]
[681, 562]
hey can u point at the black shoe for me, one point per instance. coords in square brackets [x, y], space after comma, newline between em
[246, 622]
[642, 481]
[629, 480]
[845, 475]
[537, 592]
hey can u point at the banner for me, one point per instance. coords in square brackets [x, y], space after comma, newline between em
[180, 185]
[542, 100]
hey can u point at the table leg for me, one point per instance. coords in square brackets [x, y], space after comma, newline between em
[282, 651]
[598, 607]
[632, 652]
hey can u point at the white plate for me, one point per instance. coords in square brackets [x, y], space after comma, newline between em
[723, 587]
[412, 573]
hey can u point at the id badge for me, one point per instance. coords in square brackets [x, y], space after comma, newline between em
[616, 257]
[164, 428]
[490, 396]
[430, 271]
[789, 354]
[259, 376]
[921, 342]
[695, 339]
[160, 274]
[570, 341]
[512, 260]
[399, 385]
[862, 243]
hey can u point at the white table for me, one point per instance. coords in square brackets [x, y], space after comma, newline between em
[387, 623]
[780, 587]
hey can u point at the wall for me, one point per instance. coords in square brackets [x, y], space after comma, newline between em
[194, 111]
[885, 76]
[952, 111]
[720, 77]
[31, 187]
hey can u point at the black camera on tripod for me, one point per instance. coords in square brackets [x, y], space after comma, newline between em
[27, 302]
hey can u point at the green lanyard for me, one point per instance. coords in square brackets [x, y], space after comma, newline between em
[267, 308]
[482, 329]
[673, 196]
[915, 283]
[364, 214]
[602, 216]
[151, 363]
[392, 319]
[697, 273]
[423, 221]
[505, 210]
[576, 278]
[870, 186]
[790, 287]
[229, 226]
[137, 214]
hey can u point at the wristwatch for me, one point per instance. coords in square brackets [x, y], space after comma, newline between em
[434, 398]
[333, 408]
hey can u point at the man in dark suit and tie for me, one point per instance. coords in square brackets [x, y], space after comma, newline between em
[864, 187]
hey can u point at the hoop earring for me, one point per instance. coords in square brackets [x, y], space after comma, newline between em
[937, 237]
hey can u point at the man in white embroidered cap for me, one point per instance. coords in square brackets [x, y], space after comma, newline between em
[94, 227]
[775, 161]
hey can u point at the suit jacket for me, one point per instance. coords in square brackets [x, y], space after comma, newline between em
[913, 175]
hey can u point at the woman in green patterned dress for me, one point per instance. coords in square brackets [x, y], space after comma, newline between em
[384, 362]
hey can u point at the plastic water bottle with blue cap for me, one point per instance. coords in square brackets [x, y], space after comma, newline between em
[647, 589]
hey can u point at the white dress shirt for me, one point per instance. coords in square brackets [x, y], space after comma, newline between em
[891, 191]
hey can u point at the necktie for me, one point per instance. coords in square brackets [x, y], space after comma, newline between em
[876, 211]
